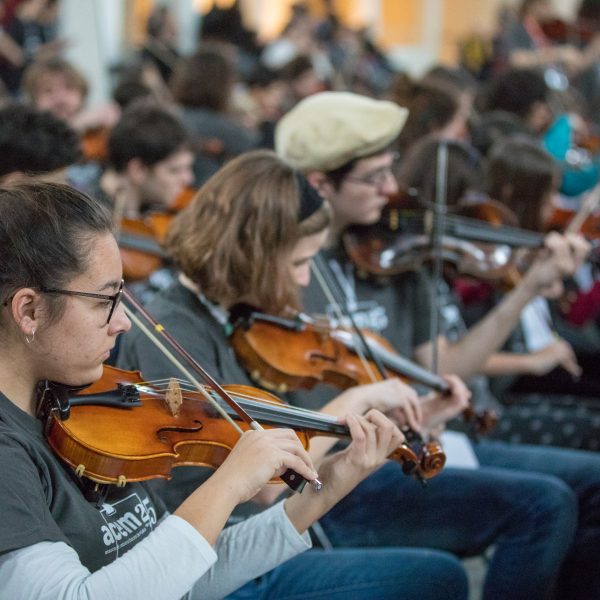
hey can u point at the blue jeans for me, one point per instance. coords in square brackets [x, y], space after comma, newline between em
[523, 500]
[365, 574]
[580, 470]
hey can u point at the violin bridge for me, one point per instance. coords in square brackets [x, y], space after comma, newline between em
[173, 397]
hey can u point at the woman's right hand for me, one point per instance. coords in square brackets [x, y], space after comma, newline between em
[564, 254]
[260, 456]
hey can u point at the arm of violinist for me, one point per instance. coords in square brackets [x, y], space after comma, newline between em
[10, 50]
[568, 56]
[258, 457]
[558, 354]
[562, 256]
[439, 409]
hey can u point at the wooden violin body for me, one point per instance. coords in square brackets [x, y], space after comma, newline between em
[146, 439]
[140, 239]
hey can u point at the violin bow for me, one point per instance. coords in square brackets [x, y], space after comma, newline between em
[294, 481]
[441, 182]
[328, 283]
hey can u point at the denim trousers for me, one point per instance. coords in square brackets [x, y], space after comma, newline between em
[538, 506]
[362, 574]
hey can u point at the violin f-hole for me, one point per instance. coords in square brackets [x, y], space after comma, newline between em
[163, 431]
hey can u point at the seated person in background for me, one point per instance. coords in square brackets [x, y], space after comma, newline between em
[57, 86]
[341, 142]
[149, 158]
[150, 169]
[203, 85]
[35, 144]
[32, 29]
[524, 173]
[523, 96]
[525, 178]
[527, 46]
[434, 107]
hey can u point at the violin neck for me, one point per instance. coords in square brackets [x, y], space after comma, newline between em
[478, 231]
[289, 416]
[143, 244]
[398, 364]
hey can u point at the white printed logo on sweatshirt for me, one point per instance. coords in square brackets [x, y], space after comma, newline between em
[126, 521]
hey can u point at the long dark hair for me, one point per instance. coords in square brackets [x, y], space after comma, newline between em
[521, 175]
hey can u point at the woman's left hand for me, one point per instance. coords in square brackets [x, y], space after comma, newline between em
[374, 438]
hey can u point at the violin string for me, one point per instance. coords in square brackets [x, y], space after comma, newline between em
[167, 353]
[162, 384]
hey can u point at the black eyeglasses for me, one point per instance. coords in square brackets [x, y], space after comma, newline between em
[113, 298]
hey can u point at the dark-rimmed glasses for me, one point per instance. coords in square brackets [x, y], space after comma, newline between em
[113, 298]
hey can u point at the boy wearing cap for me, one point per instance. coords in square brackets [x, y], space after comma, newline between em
[516, 498]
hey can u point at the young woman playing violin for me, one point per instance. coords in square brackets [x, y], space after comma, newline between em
[341, 142]
[60, 316]
[249, 236]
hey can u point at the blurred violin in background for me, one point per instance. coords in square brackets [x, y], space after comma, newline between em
[141, 253]
[94, 144]
[478, 238]
[140, 239]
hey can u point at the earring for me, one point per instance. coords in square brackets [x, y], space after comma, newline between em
[29, 339]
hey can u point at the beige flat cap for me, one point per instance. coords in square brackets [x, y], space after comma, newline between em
[327, 130]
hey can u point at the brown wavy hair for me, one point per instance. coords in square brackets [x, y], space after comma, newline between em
[235, 238]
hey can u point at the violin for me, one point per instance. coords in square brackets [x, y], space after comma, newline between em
[141, 252]
[94, 144]
[286, 354]
[122, 429]
[561, 217]
[140, 239]
[479, 241]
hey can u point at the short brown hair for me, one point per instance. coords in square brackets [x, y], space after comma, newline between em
[235, 238]
[204, 80]
[52, 66]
